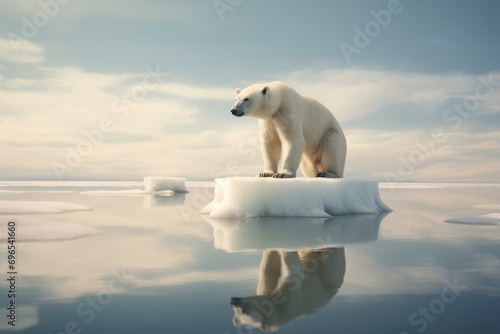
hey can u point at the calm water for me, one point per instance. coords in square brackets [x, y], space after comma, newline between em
[160, 267]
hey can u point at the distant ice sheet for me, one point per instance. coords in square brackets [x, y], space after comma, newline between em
[411, 185]
[72, 184]
[489, 219]
[154, 184]
[32, 230]
[200, 184]
[292, 234]
[130, 192]
[244, 197]
[487, 206]
[44, 207]
[10, 192]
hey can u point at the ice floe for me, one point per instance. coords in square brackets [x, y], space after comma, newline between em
[244, 197]
[154, 184]
[42, 207]
[33, 230]
[490, 219]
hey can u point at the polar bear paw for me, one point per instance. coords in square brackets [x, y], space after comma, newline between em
[265, 174]
[283, 176]
[327, 174]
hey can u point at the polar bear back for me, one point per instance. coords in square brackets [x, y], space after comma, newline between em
[316, 119]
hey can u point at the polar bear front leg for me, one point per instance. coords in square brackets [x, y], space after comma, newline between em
[293, 147]
[271, 148]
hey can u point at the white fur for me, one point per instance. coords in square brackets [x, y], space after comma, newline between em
[300, 128]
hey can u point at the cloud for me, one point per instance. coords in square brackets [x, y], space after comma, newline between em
[75, 98]
[197, 92]
[55, 107]
[171, 128]
[355, 93]
[20, 51]
[460, 157]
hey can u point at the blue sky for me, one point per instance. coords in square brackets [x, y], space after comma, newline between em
[125, 89]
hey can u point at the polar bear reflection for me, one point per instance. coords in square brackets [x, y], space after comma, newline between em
[291, 284]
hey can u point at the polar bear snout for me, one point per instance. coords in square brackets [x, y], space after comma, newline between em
[237, 113]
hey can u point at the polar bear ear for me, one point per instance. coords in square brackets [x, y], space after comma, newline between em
[237, 91]
[264, 90]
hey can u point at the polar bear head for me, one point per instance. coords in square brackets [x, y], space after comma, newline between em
[259, 100]
[251, 101]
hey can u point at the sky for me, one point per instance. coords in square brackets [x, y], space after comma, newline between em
[119, 90]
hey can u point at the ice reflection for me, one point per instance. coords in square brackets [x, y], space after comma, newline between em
[233, 235]
[151, 200]
[154, 200]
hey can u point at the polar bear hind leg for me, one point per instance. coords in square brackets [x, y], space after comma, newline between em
[307, 167]
[331, 156]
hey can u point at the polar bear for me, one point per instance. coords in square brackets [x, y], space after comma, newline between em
[291, 285]
[299, 127]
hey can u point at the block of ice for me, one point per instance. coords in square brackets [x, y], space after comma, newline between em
[47, 231]
[244, 197]
[293, 234]
[489, 219]
[43, 207]
[154, 184]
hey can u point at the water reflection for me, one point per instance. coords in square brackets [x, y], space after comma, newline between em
[303, 262]
[178, 283]
[233, 235]
[155, 200]
[151, 200]
[291, 285]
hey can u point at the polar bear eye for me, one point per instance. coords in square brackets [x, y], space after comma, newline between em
[246, 99]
